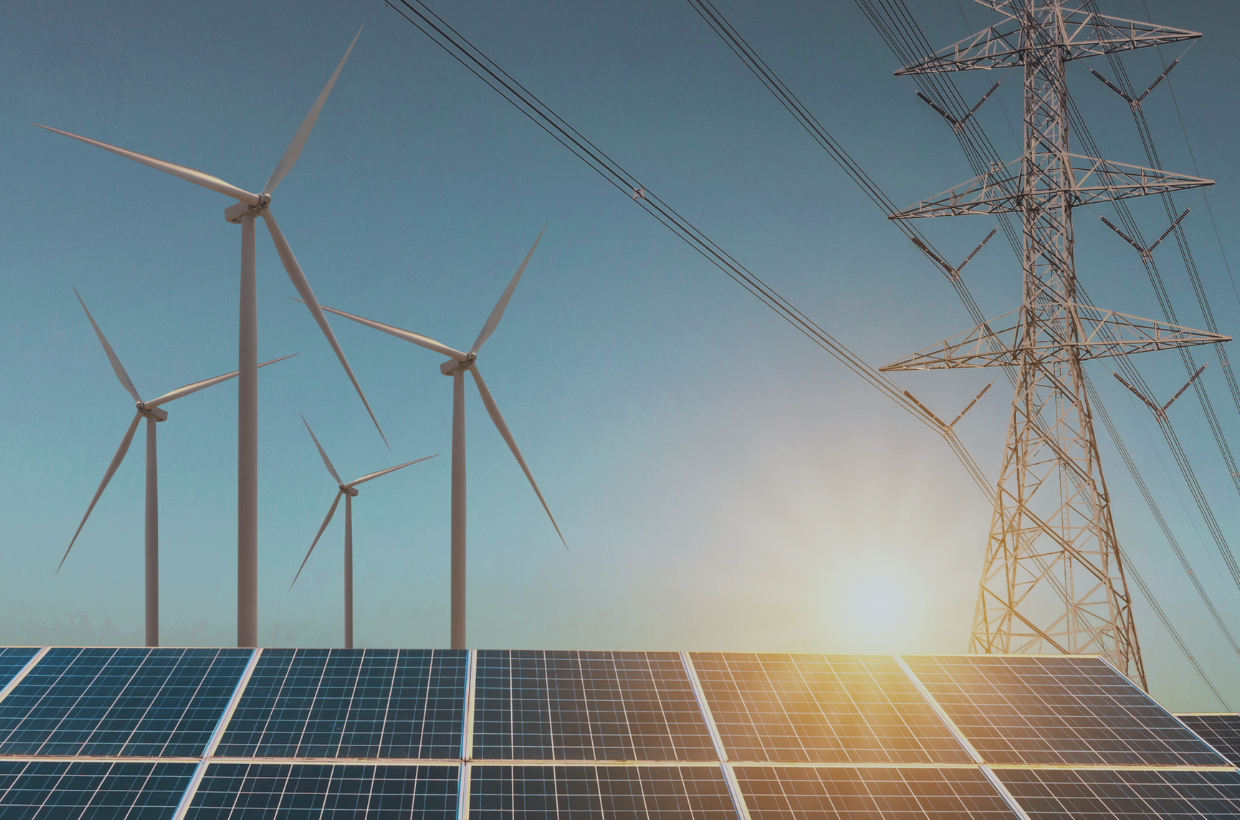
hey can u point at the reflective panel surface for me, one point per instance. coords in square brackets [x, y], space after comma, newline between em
[61, 790]
[611, 792]
[822, 793]
[533, 705]
[360, 703]
[12, 659]
[1111, 793]
[1056, 710]
[1220, 731]
[121, 702]
[822, 709]
[246, 791]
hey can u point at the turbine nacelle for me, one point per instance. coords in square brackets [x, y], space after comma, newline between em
[452, 365]
[234, 213]
[157, 413]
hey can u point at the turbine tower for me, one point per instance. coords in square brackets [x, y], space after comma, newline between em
[456, 367]
[1052, 580]
[153, 413]
[248, 207]
[349, 491]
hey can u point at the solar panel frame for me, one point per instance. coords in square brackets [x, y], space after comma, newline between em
[1221, 731]
[1123, 793]
[782, 792]
[326, 791]
[535, 705]
[122, 702]
[358, 703]
[585, 790]
[100, 790]
[13, 659]
[1056, 710]
[856, 708]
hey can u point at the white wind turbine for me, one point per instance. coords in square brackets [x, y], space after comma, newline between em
[456, 367]
[248, 207]
[349, 492]
[153, 413]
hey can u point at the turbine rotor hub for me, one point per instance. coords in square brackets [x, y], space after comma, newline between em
[452, 365]
[234, 213]
[349, 491]
[157, 413]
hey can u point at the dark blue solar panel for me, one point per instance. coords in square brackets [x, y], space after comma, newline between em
[1056, 710]
[120, 702]
[878, 793]
[1120, 793]
[370, 703]
[241, 791]
[1220, 731]
[602, 792]
[61, 790]
[12, 659]
[586, 706]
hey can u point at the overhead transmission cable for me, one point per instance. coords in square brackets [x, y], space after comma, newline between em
[451, 41]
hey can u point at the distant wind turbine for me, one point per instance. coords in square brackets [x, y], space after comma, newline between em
[349, 491]
[153, 413]
[456, 367]
[244, 212]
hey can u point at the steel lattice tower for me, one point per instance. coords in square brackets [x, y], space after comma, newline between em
[1052, 580]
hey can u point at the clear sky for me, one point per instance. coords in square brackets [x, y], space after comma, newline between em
[721, 482]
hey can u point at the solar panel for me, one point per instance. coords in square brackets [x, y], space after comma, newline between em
[1119, 793]
[362, 703]
[34, 790]
[825, 793]
[586, 706]
[822, 709]
[240, 791]
[1056, 710]
[611, 792]
[12, 659]
[120, 702]
[1220, 731]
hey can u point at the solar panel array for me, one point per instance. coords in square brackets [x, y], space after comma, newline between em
[225, 734]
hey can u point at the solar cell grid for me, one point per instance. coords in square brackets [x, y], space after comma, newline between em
[240, 791]
[1056, 710]
[357, 703]
[1112, 793]
[12, 659]
[611, 792]
[62, 790]
[123, 702]
[586, 706]
[828, 793]
[822, 709]
[1220, 731]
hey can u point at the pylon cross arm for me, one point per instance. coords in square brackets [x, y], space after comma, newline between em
[1009, 188]
[1007, 341]
[1087, 35]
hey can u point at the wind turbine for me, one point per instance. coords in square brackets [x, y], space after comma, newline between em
[456, 368]
[248, 207]
[349, 492]
[153, 413]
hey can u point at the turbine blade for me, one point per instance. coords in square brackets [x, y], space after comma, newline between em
[326, 460]
[498, 311]
[183, 171]
[366, 478]
[107, 476]
[512, 444]
[407, 335]
[303, 287]
[330, 512]
[107, 348]
[202, 385]
[293, 151]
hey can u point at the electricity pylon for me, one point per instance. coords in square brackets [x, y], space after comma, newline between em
[1052, 580]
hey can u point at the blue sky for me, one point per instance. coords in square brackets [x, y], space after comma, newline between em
[722, 483]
